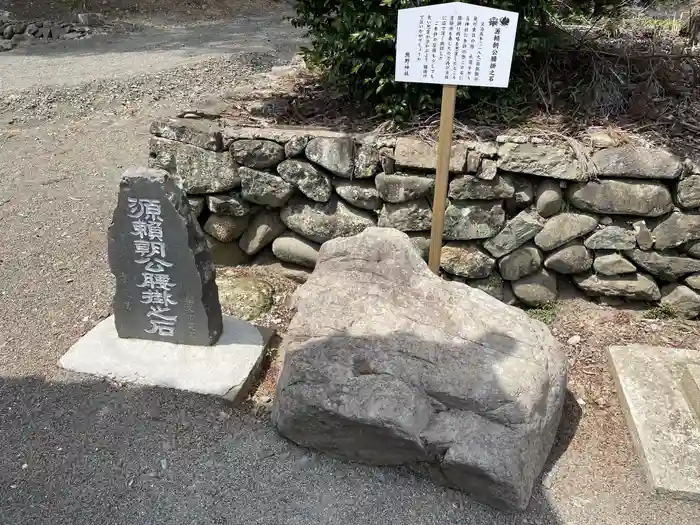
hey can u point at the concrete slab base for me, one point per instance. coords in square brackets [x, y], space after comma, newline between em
[666, 431]
[226, 369]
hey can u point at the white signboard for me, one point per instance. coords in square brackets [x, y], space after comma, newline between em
[455, 44]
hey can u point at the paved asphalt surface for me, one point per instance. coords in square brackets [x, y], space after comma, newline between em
[78, 451]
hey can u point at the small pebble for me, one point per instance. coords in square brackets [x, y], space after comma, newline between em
[574, 340]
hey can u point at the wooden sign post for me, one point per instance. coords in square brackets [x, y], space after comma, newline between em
[454, 45]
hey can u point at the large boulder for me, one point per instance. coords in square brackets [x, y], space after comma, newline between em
[638, 163]
[387, 364]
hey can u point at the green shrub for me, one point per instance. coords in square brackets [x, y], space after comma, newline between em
[353, 44]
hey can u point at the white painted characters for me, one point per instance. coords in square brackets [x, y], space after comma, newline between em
[455, 44]
[150, 250]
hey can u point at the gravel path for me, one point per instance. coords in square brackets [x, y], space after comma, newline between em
[75, 451]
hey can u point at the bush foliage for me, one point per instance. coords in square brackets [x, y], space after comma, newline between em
[353, 44]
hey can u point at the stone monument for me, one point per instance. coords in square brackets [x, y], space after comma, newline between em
[166, 288]
[167, 329]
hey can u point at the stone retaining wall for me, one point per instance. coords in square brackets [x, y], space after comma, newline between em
[522, 215]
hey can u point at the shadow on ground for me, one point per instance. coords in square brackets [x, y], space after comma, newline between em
[89, 452]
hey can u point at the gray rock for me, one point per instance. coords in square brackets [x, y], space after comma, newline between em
[632, 286]
[664, 266]
[612, 238]
[403, 187]
[613, 264]
[524, 195]
[264, 228]
[421, 243]
[231, 203]
[524, 261]
[487, 170]
[296, 145]
[245, 298]
[8, 32]
[645, 240]
[537, 289]
[688, 192]
[257, 154]
[32, 29]
[386, 160]
[466, 259]
[570, 259]
[390, 382]
[225, 228]
[693, 249]
[166, 289]
[467, 220]
[681, 300]
[197, 205]
[360, 193]
[226, 253]
[204, 134]
[563, 228]
[91, 19]
[415, 154]
[414, 216]
[311, 181]
[542, 161]
[320, 222]
[517, 232]
[638, 163]
[334, 154]
[474, 162]
[549, 198]
[264, 188]
[201, 171]
[469, 187]
[492, 285]
[676, 229]
[488, 150]
[366, 162]
[621, 197]
[294, 249]
[694, 281]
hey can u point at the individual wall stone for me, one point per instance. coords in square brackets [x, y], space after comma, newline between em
[264, 188]
[264, 228]
[366, 162]
[563, 228]
[613, 264]
[612, 238]
[664, 266]
[524, 195]
[469, 187]
[334, 154]
[320, 222]
[474, 162]
[197, 205]
[645, 240]
[205, 134]
[549, 198]
[487, 149]
[292, 248]
[542, 161]
[694, 281]
[537, 289]
[517, 232]
[386, 160]
[200, 171]
[403, 187]
[570, 259]
[621, 197]
[638, 163]
[310, 180]
[296, 146]
[360, 193]
[688, 192]
[488, 169]
[682, 301]
[225, 228]
[676, 229]
[492, 285]
[415, 154]
[524, 261]
[413, 216]
[466, 259]
[257, 154]
[231, 203]
[633, 286]
[468, 220]
[693, 249]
